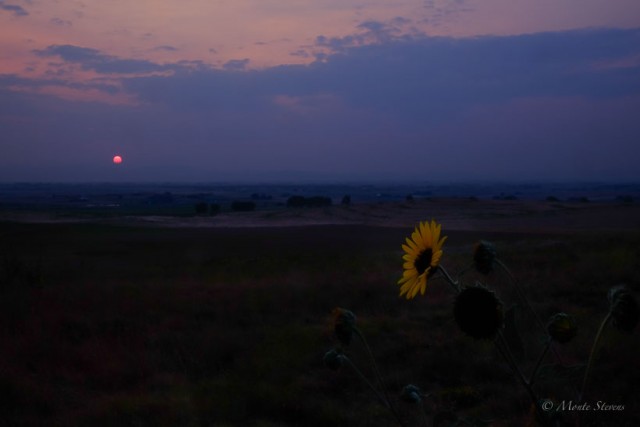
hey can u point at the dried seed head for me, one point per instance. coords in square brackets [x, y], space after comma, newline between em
[484, 256]
[333, 359]
[478, 312]
[562, 328]
[411, 394]
[623, 308]
[344, 321]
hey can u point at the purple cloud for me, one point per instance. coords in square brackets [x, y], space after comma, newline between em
[15, 9]
[552, 105]
[93, 59]
[236, 64]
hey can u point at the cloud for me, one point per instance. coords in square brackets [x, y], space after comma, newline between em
[15, 9]
[419, 78]
[368, 33]
[166, 48]
[12, 81]
[554, 105]
[236, 64]
[443, 12]
[61, 22]
[93, 59]
[431, 76]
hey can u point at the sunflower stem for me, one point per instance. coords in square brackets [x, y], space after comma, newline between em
[521, 293]
[503, 348]
[539, 362]
[365, 380]
[453, 283]
[376, 372]
[466, 270]
[525, 300]
[604, 323]
[424, 414]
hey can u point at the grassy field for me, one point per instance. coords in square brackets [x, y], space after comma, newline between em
[140, 326]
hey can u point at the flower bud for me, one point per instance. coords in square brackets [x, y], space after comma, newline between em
[411, 394]
[623, 308]
[344, 322]
[333, 359]
[484, 256]
[478, 312]
[562, 328]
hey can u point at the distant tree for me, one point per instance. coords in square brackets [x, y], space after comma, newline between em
[346, 200]
[201, 208]
[240, 206]
[313, 202]
[158, 199]
[318, 201]
[626, 199]
[261, 196]
[296, 201]
[214, 209]
[409, 198]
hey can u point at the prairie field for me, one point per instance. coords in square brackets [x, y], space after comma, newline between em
[127, 324]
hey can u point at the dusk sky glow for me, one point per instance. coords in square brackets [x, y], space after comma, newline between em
[230, 90]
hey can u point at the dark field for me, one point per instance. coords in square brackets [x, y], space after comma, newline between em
[105, 325]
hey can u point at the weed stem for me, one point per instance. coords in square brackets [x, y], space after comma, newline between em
[525, 300]
[365, 380]
[604, 323]
[376, 371]
[521, 293]
[503, 348]
[539, 362]
[453, 283]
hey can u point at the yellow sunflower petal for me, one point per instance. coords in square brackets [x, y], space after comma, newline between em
[412, 244]
[409, 250]
[435, 232]
[426, 235]
[415, 236]
[404, 289]
[435, 258]
[420, 283]
[410, 273]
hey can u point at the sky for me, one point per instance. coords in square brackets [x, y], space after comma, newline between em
[319, 90]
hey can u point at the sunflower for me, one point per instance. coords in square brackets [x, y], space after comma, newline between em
[478, 312]
[423, 253]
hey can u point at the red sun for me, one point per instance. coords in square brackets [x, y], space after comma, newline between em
[117, 160]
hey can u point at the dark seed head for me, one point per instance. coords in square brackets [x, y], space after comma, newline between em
[624, 308]
[484, 256]
[333, 359]
[343, 323]
[562, 328]
[478, 312]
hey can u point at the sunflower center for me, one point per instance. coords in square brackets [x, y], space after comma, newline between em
[423, 261]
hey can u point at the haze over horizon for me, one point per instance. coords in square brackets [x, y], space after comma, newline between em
[435, 90]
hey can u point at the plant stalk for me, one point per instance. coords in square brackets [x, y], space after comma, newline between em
[366, 381]
[525, 300]
[592, 355]
[453, 283]
[539, 362]
[376, 372]
[503, 348]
